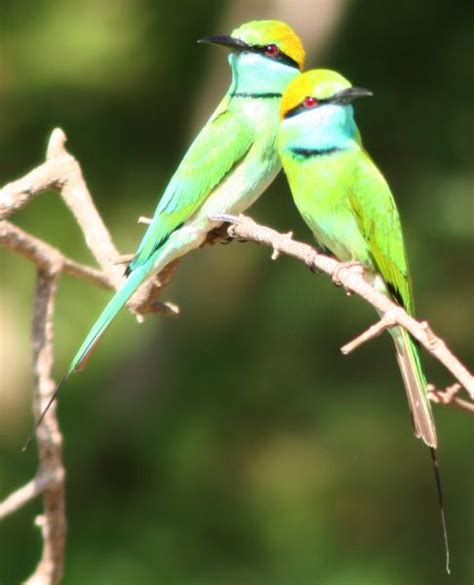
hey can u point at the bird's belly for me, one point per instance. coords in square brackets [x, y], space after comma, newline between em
[326, 238]
[238, 191]
[330, 239]
[333, 224]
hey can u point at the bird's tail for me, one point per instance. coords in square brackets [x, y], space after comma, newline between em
[415, 386]
[98, 329]
[422, 417]
[119, 299]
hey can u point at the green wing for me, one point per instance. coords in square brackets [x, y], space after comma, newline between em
[220, 145]
[377, 215]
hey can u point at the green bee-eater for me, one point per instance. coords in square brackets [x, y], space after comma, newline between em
[347, 204]
[349, 207]
[230, 163]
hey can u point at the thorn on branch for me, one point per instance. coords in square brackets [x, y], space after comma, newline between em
[56, 144]
[145, 220]
[167, 308]
[433, 341]
[276, 247]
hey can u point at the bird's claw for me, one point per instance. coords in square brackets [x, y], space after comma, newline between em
[219, 235]
[124, 259]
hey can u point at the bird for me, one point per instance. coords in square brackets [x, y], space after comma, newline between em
[346, 202]
[232, 160]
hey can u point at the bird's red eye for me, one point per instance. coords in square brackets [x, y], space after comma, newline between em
[271, 51]
[310, 102]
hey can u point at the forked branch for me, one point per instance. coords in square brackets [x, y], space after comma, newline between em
[62, 173]
[351, 277]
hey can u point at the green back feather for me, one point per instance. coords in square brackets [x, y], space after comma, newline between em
[377, 216]
[222, 143]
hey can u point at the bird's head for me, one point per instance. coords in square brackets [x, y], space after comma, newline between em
[262, 50]
[318, 104]
[318, 88]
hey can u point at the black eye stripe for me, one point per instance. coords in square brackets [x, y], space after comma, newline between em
[300, 108]
[344, 97]
[280, 57]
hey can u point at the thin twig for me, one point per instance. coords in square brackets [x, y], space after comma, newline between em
[28, 492]
[387, 321]
[353, 281]
[450, 397]
[42, 254]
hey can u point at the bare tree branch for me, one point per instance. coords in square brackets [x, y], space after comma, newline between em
[48, 435]
[62, 173]
[352, 279]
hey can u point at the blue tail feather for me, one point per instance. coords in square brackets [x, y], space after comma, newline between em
[120, 298]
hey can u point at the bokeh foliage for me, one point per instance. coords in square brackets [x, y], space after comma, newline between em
[235, 444]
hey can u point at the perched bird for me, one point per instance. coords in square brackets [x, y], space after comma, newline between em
[230, 163]
[348, 205]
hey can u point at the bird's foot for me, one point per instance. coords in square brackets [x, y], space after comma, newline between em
[124, 259]
[354, 265]
[219, 235]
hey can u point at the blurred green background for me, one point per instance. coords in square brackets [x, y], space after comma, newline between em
[236, 444]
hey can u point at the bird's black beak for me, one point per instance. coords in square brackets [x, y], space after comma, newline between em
[346, 96]
[225, 41]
